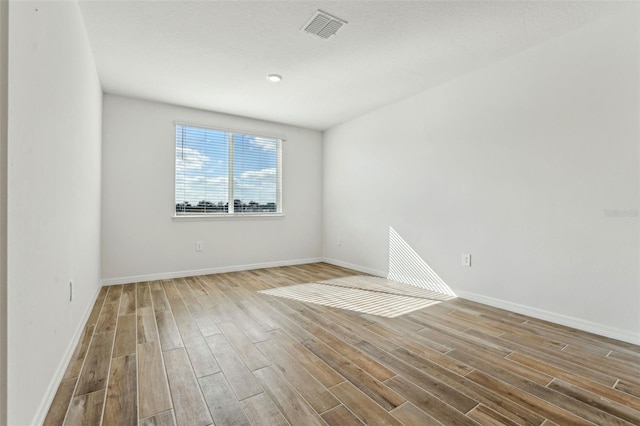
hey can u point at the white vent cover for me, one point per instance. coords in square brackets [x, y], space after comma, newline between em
[323, 25]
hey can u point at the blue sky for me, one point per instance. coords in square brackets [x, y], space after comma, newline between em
[202, 163]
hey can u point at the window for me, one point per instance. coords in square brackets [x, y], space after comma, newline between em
[221, 172]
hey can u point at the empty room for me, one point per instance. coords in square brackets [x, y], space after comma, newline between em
[319, 212]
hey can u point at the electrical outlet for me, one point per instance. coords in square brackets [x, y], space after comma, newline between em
[70, 291]
[339, 242]
[198, 245]
[466, 259]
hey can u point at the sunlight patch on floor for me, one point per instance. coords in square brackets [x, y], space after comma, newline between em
[365, 294]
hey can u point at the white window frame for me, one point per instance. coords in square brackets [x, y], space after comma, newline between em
[231, 214]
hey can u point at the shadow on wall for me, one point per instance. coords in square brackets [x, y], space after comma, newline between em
[406, 266]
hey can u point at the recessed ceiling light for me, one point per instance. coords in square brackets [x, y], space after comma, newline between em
[274, 78]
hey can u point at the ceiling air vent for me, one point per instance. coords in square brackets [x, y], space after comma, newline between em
[323, 25]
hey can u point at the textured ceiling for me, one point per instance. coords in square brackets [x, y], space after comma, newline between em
[215, 55]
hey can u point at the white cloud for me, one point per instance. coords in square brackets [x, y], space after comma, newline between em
[264, 143]
[256, 185]
[263, 174]
[220, 181]
[190, 159]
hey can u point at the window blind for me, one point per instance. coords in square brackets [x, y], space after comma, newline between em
[223, 172]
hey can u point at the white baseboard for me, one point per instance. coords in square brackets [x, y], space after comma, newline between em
[209, 271]
[577, 323]
[354, 267]
[43, 409]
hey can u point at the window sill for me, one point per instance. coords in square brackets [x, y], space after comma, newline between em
[227, 216]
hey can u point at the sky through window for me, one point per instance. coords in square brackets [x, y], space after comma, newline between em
[207, 158]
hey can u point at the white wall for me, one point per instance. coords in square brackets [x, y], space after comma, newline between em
[515, 164]
[55, 107]
[139, 238]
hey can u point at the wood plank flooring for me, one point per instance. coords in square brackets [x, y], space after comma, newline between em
[212, 350]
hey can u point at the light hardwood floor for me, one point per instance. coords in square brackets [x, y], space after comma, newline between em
[205, 350]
